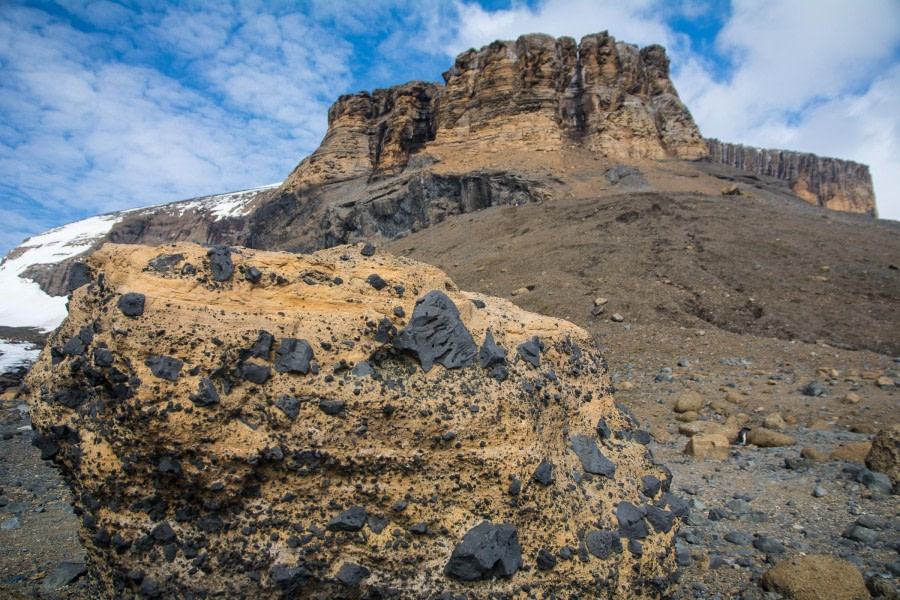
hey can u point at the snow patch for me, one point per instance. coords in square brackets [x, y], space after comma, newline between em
[17, 354]
[23, 303]
[221, 206]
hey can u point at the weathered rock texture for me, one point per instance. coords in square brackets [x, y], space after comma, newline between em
[534, 92]
[830, 182]
[341, 423]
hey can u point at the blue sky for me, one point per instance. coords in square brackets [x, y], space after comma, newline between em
[112, 105]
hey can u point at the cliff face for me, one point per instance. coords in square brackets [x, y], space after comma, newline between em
[237, 423]
[830, 182]
[536, 92]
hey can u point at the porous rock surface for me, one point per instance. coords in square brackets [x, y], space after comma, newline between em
[274, 432]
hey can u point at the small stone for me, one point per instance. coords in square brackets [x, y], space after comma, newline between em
[739, 538]
[815, 389]
[768, 545]
[520, 291]
[884, 382]
[352, 519]
[367, 249]
[850, 398]
[603, 544]
[351, 574]
[294, 356]
[530, 351]
[600, 301]
[689, 401]
[766, 438]
[861, 534]
[813, 455]
[819, 492]
[253, 275]
[708, 445]
[376, 281]
[11, 524]
[289, 405]
[545, 560]
[592, 460]
[543, 474]
[617, 318]
[164, 367]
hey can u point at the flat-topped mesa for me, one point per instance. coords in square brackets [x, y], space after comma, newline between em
[536, 92]
[830, 182]
[237, 423]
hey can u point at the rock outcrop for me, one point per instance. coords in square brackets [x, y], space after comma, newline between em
[830, 182]
[245, 423]
[534, 93]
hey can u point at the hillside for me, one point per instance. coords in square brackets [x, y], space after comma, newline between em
[742, 304]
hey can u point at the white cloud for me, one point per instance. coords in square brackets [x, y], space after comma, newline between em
[98, 122]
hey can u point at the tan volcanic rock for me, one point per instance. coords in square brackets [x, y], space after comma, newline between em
[536, 93]
[884, 457]
[245, 423]
[830, 182]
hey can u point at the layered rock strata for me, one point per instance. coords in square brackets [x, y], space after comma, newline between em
[830, 182]
[346, 423]
[536, 92]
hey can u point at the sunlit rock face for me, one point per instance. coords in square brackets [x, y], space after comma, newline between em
[346, 423]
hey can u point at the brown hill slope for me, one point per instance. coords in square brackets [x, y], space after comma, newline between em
[762, 262]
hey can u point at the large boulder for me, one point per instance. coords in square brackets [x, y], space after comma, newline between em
[306, 434]
[816, 578]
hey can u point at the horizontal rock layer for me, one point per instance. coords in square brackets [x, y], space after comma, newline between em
[536, 91]
[245, 423]
[830, 182]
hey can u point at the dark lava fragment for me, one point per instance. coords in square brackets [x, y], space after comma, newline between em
[206, 395]
[491, 354]
[376, 281]
[258, 374]
[351, 574]
[220, 262]
[294, 356]
[131, 304]
[592, 460]
[352, 519]
[435, 334]
[288, 405]
[631, 521]
[486, 551]
[530, 350]
[544, 473]
[602, 544]
[79, 275]
[164, 367]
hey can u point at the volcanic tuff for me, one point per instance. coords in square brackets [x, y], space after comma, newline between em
[256, 423]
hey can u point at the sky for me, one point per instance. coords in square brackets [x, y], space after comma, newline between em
[112, 105]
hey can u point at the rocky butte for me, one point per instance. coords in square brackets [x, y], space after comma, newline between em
[508, 126]
[244, 423]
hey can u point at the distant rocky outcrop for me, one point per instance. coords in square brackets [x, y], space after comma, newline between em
[830, 182]
[536, 92]
[240, 423]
